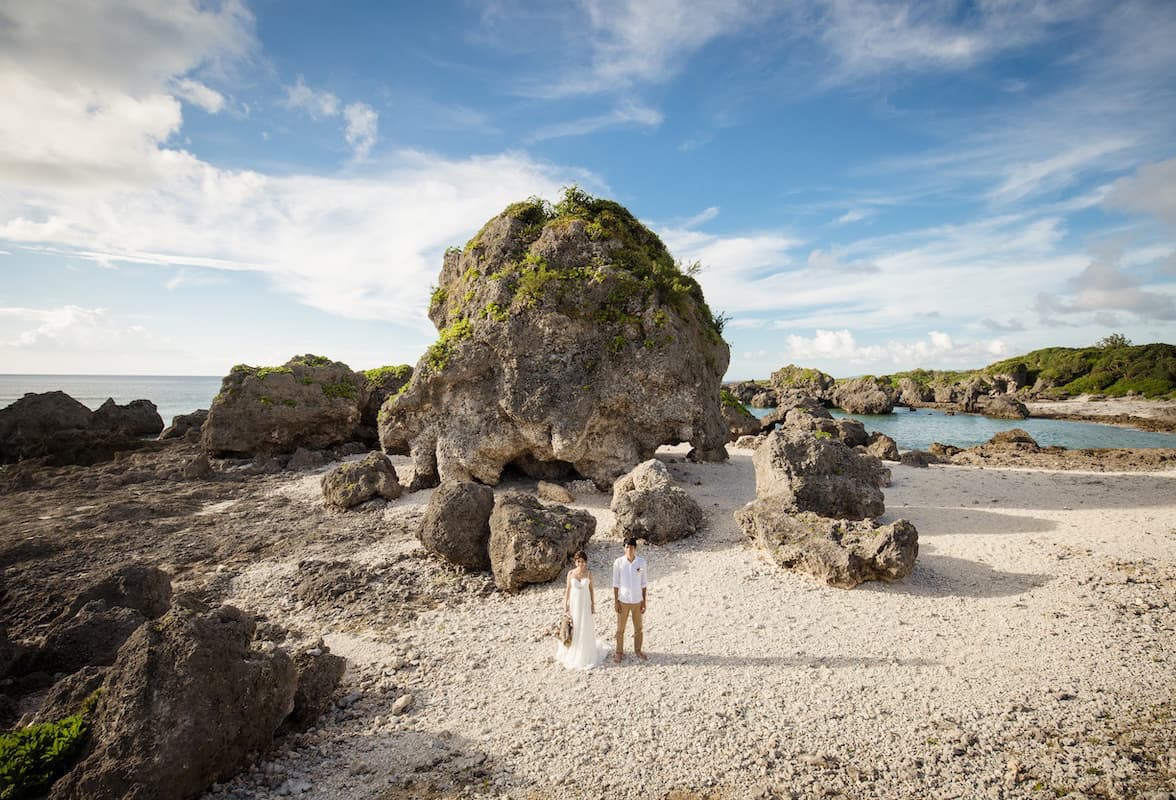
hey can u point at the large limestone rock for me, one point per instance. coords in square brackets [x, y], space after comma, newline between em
[310, 401]
[136, 418]
[1004, 406]
[382, 383]
[863, 396]
[912, 394]
[187, 703]
[648, 506]
[54, 426]
[185, 425]
[819, 474]
[355, 482]
[457, 523]
[841, 553]
[530, 542]
[882, 446]
[740, 421]
[568, 336]
[792, 381]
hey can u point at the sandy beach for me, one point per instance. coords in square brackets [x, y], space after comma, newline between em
[1030, 654]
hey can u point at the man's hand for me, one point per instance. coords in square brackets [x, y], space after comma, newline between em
[642, 606]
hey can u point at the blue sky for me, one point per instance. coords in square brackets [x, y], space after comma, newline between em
[870, 186]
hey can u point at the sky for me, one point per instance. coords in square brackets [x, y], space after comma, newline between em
[869, 186]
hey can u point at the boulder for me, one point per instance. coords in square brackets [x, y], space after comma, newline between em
[318, 673]
[554, 492]
[54, 426]
[198, 468]
[355, 482]
[882, 446]
[918, 458]
[530, 542]
[840, 553]
[863, 396]
[740, 421]
[184, 424]
[744, 390]
[457, 523]
[1004, 406]
[186, 704]
[750, 442]
[852, 433]
[66, 696]
[567, 336]
[820, 475]
[648, 506]
[310, 401]
[764, 399]
[145, 589]
[1013, 436]
[136, 418]
[944, 452]
[792, 381]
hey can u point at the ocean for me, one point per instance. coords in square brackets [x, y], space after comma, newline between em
[172, 394]
[916, 430]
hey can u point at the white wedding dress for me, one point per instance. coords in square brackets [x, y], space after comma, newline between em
[585, 651]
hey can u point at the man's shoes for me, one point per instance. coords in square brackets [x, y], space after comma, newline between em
[642, 656]
[617, 658]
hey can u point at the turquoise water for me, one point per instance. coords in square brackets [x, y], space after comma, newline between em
[916, 430]
[172, 394]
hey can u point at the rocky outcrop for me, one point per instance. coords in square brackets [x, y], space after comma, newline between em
[530, 542]
[821, 475]
[382, 383]
[185, 426]
[318, 672]
[187, 703]
[740, 421]
[863, 396]
[921, 459]
[744, 390]
[840, 553]
[355, 482]
[912, 394]
[765, 399]
[567, 336]
[1013, 436]
[815, 502]
[750, 442]
[648, 506]
[792, 381]
[943, 452]
[457, 523]
[136, 418]
[310, 401]
[882, 446]
[54, 426]
[1003, 406]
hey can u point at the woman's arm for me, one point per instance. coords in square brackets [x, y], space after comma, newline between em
[568, 594]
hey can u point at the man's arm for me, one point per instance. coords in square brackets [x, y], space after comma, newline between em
[616, 588]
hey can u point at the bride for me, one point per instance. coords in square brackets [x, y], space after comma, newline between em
[585, 651]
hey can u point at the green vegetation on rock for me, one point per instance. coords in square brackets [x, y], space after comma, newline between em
[730, 400]
[343, 389]
[32, 757]
[437, 356]
[379, 374]
[1112, 367]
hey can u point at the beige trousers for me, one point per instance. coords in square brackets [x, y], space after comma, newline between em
[623, 612]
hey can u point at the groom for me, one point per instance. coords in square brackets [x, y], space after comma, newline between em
[629, 581]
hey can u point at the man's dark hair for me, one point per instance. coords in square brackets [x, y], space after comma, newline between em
[631, 541]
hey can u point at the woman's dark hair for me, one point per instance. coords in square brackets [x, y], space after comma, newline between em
[580, 554]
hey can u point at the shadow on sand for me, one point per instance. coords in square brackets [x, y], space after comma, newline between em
[946, 576]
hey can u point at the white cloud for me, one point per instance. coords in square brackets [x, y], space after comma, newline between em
[830, 262]
[66, 326]
[853, 215]
[627, 114]
[317, 103]
[1023, 179]
[362, 123]
[827, 346]
[200, 95]
[362, 248]
[702, 217]
[1151, 190]
[78, 111]
[640, 42]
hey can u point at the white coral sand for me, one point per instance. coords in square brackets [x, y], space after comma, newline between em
[1030, 651]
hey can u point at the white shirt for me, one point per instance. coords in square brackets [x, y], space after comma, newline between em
[629, 578]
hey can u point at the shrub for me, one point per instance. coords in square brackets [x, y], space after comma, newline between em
[34, 756]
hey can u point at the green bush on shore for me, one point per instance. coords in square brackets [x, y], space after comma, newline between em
[32, 757]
